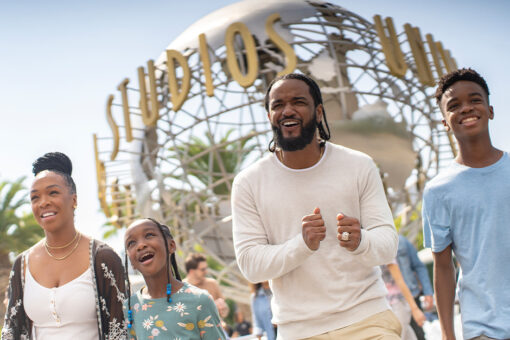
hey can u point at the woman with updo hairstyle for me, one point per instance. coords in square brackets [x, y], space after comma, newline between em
[68, 285]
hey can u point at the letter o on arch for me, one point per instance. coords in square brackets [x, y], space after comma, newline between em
[252, 64]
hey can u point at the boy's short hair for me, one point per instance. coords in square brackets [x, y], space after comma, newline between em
[461, 74]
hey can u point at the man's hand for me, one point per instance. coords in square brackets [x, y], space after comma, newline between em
[314, 230]
[350, 225]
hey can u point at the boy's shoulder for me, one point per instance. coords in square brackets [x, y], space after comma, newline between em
[444, 179]
[457, 174]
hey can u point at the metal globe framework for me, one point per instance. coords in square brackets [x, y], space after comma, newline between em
[181, 170]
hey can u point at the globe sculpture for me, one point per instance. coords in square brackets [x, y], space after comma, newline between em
[180, 169]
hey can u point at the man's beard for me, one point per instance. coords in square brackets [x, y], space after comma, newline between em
[295, 143]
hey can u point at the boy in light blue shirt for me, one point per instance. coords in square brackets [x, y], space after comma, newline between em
[466, 209]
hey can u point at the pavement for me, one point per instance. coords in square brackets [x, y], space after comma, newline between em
[433, 329]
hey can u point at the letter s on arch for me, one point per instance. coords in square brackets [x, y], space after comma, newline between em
[290, 55]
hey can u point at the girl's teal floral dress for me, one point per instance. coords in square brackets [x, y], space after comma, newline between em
[192, 314]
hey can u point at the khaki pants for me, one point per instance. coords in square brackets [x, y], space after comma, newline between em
[381, 326]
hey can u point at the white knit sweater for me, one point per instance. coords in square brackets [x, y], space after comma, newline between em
[314, 291]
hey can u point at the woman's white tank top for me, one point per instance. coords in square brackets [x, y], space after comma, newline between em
[65, 312]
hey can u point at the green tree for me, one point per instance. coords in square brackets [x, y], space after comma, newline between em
[215, 163]
[18, 229]
[412, 229]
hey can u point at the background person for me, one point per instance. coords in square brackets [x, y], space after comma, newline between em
[242, 327]
[196, 274]
[64, 270]
[416, 277]
[401, 300]
[261, 310]
[224, 311]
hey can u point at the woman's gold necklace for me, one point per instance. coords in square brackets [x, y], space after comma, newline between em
[65, 256]
[61, 247]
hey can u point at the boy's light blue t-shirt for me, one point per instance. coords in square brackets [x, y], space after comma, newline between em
[469, 208]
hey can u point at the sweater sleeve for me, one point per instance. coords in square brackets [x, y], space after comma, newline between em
[17, 325]
[379, 239]
[257, 259]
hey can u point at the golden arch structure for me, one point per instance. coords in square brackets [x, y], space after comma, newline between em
[195, 115]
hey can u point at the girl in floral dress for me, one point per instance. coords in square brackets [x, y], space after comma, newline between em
[166, 308]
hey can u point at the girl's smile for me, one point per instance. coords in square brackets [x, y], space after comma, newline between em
[146, 258]
[146, 248]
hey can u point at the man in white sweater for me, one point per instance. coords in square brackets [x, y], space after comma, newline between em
[312, 218]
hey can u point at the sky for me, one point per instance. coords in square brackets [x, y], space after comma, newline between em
[59, 60]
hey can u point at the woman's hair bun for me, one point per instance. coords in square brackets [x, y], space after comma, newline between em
[53, 161]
